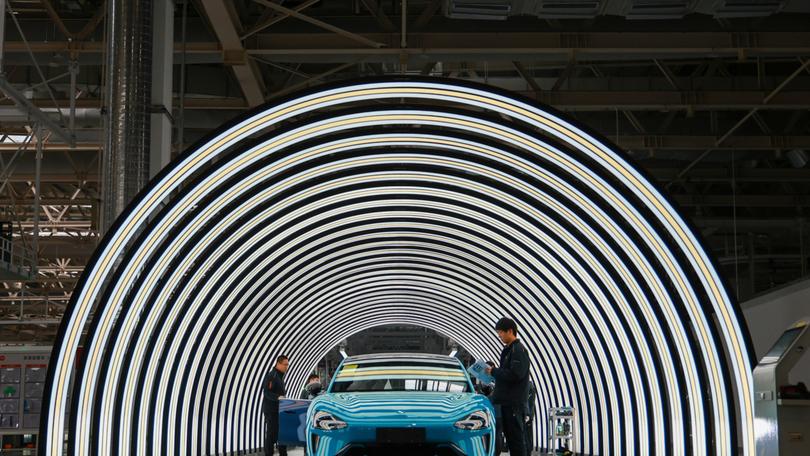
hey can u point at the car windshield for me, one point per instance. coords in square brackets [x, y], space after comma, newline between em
[400, 375]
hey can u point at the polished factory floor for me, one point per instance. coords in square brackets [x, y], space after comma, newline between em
[300, 452]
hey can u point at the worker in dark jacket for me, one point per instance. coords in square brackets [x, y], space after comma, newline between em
[512, 386]
[530, 412]
[273, 389]
[313, 388]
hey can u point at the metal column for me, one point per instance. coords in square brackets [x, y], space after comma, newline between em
[37, 197]
[128, 99]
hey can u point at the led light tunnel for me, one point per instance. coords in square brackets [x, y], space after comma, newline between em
[399, 201]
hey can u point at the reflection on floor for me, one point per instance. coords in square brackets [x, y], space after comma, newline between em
[300, 452]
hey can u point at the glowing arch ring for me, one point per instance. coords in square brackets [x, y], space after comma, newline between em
[729, 319]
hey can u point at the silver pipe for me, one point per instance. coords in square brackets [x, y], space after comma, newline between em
[127, 97]
[37, 199]
[802, 255]
[2, 31]
[403, 41]
[74, 70]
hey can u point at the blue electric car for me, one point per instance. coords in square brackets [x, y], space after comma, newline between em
[400, 404]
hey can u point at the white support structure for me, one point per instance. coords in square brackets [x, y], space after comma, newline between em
[162, 54]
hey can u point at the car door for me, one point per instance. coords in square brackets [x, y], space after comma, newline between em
[292, 421]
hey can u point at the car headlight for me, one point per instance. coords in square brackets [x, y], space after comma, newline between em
[327, 422]
[476, 420]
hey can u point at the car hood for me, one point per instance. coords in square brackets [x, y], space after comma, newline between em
[405, 406]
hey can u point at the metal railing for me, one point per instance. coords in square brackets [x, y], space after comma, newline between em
[18, 451]
[17, 258]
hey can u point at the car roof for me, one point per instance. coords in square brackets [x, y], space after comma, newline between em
[402, 357]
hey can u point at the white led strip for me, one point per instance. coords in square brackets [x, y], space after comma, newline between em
[236, 424]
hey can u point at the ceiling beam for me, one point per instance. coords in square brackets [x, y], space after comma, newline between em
[313, 80]
[567, 100]
[343, 33]
[427, 14]
[523, 46]
[701, 142]
[54, 145]
[274, 19]
[379, 14]
[673, 81]
[35, 322]
[773, 94]
[799, 175]
[54, 178]
[751, 201]
[34, 111]
[56, 19]
[495, 46]
[524, 73]
[48, 201]
[224, 24]
[746, 224]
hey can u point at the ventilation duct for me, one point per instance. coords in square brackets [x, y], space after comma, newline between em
[493, 10]
[657, 9]
[630, 9]
[568, 9]
[501, 9]
[748, 8]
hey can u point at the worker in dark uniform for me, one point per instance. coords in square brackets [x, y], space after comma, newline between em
[273, 389]
[512, 386]
[530, 412]
[313, 387]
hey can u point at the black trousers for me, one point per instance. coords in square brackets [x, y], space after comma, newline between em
[499, 443]
[528, 430]
[514, 429]
[270, 409]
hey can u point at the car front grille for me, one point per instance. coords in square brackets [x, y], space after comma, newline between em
[400, 450]
[400, 436]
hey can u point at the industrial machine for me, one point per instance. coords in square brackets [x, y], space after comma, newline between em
[23, 369]
[782, 411]
[562, 436]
